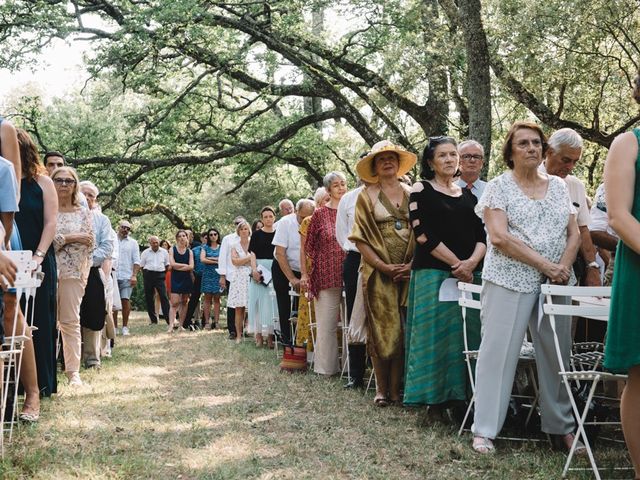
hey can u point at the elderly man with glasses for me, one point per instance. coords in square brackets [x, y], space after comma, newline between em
[471, 161]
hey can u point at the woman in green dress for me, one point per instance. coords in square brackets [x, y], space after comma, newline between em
[382, 234]
[622, 351]
[450, 244]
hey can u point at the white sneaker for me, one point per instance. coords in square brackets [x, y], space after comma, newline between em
[74, 379]
[125, 331]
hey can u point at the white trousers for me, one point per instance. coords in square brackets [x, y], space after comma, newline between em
[327, 307]
[505, 315]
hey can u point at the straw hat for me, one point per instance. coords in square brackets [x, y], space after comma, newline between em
[365, 166]
[124, 223]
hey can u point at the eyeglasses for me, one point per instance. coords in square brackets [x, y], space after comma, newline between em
[525, 144]
[125, 228]
[212, 234]
[468, 156]
[64, 181]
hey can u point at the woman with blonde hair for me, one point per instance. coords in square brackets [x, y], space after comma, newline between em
[241, 260]
[73, 242]
[182, 264]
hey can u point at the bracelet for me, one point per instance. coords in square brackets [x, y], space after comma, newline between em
[593, 264]
[39, 253]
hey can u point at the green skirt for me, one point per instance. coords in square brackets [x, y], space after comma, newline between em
[435, 370]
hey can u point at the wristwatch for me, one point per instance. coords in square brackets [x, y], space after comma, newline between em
[39, 253]
[593, 264]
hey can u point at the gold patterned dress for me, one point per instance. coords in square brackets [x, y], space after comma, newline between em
[385, 228]
[303, 333]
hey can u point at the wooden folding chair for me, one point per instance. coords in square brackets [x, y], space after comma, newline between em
[592, 303]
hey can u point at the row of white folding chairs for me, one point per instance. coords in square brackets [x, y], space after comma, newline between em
[589, 303]
[28, 279]
[586, 302]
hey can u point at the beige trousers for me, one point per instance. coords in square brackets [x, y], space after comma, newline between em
[327, 307]
[91, 343]
[70, 293]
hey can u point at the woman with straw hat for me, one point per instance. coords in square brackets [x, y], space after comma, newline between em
[382, 234]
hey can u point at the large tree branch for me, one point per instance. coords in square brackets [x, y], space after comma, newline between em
[258, 146]
[544, 113]
[173, 217]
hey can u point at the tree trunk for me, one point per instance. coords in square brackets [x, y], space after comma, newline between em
[437, 104]
[478, 75]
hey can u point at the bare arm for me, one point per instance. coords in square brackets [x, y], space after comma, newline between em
[7, 222]
[11, 148]
[206, 260]
[588, 252]
[239, 261]
[50, 201]
[281, 257]
[604, 240]
[619, 184]
[573, 244]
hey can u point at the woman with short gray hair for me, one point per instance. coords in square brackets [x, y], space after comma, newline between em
[325, 280]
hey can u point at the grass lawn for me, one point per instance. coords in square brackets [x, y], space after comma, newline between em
[198, 406]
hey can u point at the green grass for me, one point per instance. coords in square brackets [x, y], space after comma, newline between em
[197, 406]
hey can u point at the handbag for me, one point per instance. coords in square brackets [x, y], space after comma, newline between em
[294, 359]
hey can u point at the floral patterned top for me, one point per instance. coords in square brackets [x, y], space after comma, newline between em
[73, 259]
[540, 224]
[325, 252]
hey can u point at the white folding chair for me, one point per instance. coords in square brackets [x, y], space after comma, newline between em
[597, 309]
[27, 281]
[466, 301]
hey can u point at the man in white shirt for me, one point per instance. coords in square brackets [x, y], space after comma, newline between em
[154, 262]
[285, 207]
[563, 153]
[225, 267]
[344, 223]
[602, 235]
[128, 268]
[471, 161]
[286, 266]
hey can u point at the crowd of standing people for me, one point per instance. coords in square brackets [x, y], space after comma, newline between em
[385, 250]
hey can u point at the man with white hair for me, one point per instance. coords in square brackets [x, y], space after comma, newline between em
[285, 269]
[563, 153]
[154, 262]
[471, 155]
[224, 267]
[93, 309]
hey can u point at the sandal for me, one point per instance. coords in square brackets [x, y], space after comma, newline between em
[29, 417]
[380, 401]
[564, 443]
[483, 445]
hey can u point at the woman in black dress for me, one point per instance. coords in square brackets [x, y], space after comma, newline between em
[36, 222]
[260, 301]
[181, 260]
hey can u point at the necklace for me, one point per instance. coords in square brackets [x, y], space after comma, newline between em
[389, 195]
